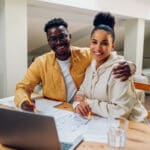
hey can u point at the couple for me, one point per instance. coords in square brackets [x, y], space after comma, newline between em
[62, 71]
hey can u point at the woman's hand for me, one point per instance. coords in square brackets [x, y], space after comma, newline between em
[79, 97]
[83, 109]
[28, 105]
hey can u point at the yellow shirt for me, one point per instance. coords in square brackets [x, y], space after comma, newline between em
[46, 69]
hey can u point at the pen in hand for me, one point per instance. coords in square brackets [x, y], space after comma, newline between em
[28, 105]
[82, 108]
[89, 113]
[31, 103]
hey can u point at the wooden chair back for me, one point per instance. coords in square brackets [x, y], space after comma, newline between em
[144, 87]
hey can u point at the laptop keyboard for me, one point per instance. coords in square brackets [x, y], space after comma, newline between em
[65, 146]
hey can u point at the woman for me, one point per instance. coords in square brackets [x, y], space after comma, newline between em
[100, 92]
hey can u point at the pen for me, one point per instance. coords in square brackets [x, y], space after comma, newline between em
[31, 103]
[89, 113]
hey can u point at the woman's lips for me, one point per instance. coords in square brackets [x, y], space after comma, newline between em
[98, 53]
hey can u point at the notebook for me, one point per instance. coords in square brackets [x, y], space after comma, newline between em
[29, 131]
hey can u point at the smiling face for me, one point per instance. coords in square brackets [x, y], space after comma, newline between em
[101, 45]
[59, 41]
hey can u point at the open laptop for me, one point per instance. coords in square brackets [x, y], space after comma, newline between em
[29, 131]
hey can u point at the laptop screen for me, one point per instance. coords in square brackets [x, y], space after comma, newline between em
[30, 131]
[26, 130]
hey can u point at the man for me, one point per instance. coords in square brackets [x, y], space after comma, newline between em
[61, 71]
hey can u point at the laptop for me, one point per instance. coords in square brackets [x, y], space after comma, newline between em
[29, 131]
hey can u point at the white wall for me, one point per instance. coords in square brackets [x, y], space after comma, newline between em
[13, 46]
[131, 8]
[134, 39]
[146, 61]
[2, 50]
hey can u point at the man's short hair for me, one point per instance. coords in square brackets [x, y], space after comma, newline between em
[56, 22]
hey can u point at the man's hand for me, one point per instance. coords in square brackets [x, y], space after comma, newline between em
[122, 71]
[28, 106]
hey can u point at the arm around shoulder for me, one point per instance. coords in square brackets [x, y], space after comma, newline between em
[132, 67]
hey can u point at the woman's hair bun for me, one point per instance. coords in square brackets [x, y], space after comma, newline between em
[104, 18]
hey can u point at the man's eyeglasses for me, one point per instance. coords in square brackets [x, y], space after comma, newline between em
[59, 37]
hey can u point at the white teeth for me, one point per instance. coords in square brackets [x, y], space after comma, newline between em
[60, 47]
[98, 53]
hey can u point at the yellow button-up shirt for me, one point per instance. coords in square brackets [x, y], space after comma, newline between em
[46, 69]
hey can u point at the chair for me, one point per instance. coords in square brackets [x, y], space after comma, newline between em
[140, 92]
[145, 87]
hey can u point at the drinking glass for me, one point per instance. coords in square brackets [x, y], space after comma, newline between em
[117, 133]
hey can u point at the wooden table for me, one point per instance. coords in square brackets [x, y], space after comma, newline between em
[138, 137]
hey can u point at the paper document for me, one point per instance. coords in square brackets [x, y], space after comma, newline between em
[41, 103]
[8, 101]
[70, 125]
[45, 104]
[97, 129]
